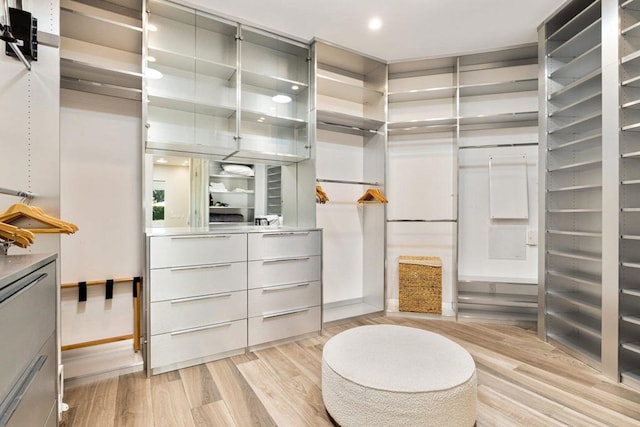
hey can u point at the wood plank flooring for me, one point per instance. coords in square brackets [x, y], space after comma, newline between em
[522, 381]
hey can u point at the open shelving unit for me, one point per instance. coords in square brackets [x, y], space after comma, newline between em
[573, 212]
[350, 157]
[233, 203]
[101, 47]
[629, 304]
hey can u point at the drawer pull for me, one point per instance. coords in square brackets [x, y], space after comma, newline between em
[14, 288]
[209, 236]
[282, 288]
[273, 261]
[285, 313]
[199, 267]
[287, 233]
[202, 328]
[14, 397]
[199, 298]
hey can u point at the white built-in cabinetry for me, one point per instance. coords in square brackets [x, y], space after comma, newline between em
[459, 126]
[218, 88]
[350, 158]
[212, 295]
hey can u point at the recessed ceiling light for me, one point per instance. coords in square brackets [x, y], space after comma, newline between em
[281, 99]
[375, 24]
[162, 161]
[152, 27]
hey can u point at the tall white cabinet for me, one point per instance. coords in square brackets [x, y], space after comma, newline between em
[350, 151]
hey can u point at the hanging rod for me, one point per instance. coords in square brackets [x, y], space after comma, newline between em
[422, 220]
[526, 144]
[348, 127]
[342, 181]
[17, 193]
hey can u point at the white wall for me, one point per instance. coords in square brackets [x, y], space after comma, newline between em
[100, 158]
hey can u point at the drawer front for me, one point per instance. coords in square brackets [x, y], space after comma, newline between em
[184, 282]
[274, 327]
[284, 244]
[177, 251]
[283, 271]
[27, 319]
[35, 393]
[277, 299]
[167, 349]
[184, 313]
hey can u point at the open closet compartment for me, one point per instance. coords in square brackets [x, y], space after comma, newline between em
[450, 120]
[101, 47]
[350, 158]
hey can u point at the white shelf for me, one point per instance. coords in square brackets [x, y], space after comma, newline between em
[582, 278]
[633, 265]
[578, 255]
[339, 312]
[192, 64]
[498, 299]
[632, 319]
[267, 119]
[187, 148]
[425, 94]
[631, 292]
[225, 176]
[490, 88]
[580, 125]
[579, 43]
[586, 62]
[273, 83]
[101, 27]
[84, 71]
[191, 106]
[489, 315]
[100, 88]
[590, 164]
[334, 88]
[632, 347]
[578, 321]
[576, 345]
[575, 233]
[571, 110]
[578, 22]
[347, 121]
[585, 141]
[576, 188]
[588, 81]
[574, 210]
[583, 301]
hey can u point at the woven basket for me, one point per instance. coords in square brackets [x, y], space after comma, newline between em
[420, 284]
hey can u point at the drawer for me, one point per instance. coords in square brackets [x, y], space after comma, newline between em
[30, 400]
[27, 319]
[183, 282]
[276, 299]
[284, 244]
[192, 312]
[283, 325]
[183, 346]
[177, 251]
[283, 271]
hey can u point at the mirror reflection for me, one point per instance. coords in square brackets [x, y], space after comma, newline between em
[193, 192]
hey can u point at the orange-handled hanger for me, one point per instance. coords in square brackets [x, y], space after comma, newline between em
[20, 210]
[15, 235]
[373, 195]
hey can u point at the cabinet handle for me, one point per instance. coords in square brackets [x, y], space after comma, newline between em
[202, 328]
[199, 267]
[208, 236]
[12, 400]
[13, 289]
[281, 288]
[272, 261]
[286, 233]
[200, 298]
[285, 313]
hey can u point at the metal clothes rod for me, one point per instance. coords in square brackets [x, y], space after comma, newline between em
[97, 282]
[356, 128]
[17, 193]
[342, 181]
[527, 144]
[18, 52]
[422, 220]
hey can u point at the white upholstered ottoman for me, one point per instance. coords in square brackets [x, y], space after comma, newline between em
[387, 375]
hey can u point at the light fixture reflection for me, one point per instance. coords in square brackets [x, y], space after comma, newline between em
[152, 27]
[151, 59]
[162, 161]
[153, 74]
[281, 99]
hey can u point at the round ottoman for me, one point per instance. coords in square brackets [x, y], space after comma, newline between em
[387, 375]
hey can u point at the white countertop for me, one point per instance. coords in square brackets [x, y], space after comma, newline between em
[225, 228]
[13, 267]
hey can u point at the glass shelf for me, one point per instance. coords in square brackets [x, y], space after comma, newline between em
[334, 88]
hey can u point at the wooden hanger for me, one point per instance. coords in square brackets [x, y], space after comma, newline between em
[321, 196]
[18, 236]
[373, 195]
[20, 210]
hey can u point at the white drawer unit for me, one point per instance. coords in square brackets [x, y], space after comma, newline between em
[276, 299]
[184, 313]
[197, 345]
[186, 250]
[278, 326]
[271, 272]
[284, 244]
[184, 282]
[213, 295]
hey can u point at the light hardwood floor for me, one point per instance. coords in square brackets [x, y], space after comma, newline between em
[521, 381]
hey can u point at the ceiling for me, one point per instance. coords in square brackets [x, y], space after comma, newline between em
[410, 28]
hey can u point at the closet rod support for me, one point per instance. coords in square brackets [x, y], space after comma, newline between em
[17, 193]
[18, 52]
